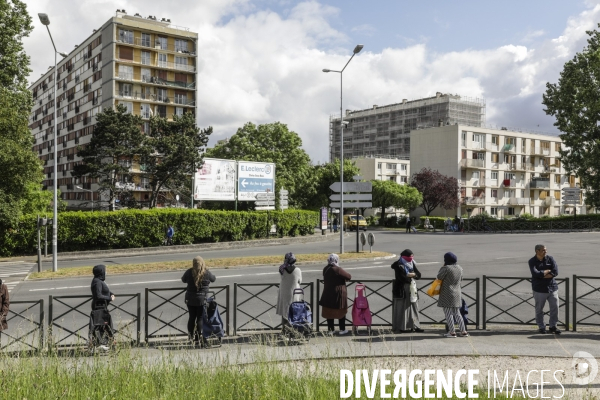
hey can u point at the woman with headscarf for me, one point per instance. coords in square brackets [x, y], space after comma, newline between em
[198, 279]
[405, 309]
[291, 278]
[450, 294]
[334, 299]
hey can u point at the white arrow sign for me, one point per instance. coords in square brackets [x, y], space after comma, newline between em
[283, 192]
[352, 205]
[283, 202]
[264, 203]
[575, 189]
[264, 208]
[265, 196]
[364, 187]
[351, 197]
[244, 183]
[570, 197]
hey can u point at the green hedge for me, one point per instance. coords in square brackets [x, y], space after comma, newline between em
[146, 228]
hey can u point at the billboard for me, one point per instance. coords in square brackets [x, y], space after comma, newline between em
[254, 178]
[215, 180]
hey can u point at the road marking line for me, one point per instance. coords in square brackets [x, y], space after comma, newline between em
[379, 262]
[503, 258]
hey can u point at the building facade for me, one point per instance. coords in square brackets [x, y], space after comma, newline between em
[149, 66]
[501, 172]
[385, 131]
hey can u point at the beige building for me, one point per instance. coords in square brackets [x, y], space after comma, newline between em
[502, 172]
[145, 64]
[384, 131]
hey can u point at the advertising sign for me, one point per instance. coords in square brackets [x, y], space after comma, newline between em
[323, 218]
[254, 178]
[215, 180]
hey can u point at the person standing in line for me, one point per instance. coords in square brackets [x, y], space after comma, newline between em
[461, 224]
[170, 234]
[543, 271]
[335, 224]
[291, 279]
[450, 294]
[408, 224]
[405, 309]
[4, 306]
[198, 279]
[334, 299]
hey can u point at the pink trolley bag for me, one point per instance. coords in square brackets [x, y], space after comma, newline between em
[361, 313]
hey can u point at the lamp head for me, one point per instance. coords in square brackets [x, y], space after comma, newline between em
[63, 54]
[44, 19]
[326, 70]
[78, 187]
[358, 48]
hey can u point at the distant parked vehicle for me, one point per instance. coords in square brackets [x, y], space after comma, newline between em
[350, 222]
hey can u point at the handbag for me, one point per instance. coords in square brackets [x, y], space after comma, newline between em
[434, 290]
[413, 291]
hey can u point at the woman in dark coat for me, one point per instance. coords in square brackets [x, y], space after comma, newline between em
[405, 309]
[198, 279]
[450, 294]
[4, 306]
[334, 299]
[101, 294]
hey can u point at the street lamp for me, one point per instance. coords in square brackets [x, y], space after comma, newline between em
[87, 190]
[357, 50]
[46, 21]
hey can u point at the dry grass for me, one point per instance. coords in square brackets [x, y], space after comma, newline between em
[211, 263]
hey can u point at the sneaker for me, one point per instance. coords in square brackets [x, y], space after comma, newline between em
[554, 330]
[419, 330]
[344, 332]
[450, 335]
[464, 334]
[543, 331]
[102, 347]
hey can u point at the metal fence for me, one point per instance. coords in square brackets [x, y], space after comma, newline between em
[69, 318]
[516, 226]
[586, 301]
[509, 301]
[430, 313]
[254, 306]
[25, 326]
[166, 315]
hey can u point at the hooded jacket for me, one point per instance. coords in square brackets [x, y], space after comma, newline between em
[100, 291]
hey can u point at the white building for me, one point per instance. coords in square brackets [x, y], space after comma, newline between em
[502, 172]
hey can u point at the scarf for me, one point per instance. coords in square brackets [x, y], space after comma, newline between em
[408, 265]
[333, 259]
[289, 259]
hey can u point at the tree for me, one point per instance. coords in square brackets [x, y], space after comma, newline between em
[117, 137]
[315, 191]
[171, 151]
[573, 101]
[437, 190]
[275, 143]
[390, 194]
[14, 62]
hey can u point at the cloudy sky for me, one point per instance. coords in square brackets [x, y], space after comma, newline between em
[261, 60]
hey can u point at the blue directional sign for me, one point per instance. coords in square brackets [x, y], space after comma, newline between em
[255, 178]
[258, 185]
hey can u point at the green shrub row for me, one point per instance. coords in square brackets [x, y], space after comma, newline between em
[123, 229]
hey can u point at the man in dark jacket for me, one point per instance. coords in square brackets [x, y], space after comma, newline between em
[100, 291]
[543, 271]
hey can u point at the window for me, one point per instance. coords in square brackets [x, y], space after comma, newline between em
[146, 57]
[179, 111]
[510, 211]
[181, 45]
[403, 167]
[557, 146]
[509, 175]
[378, 165]
[494, 174]
[126, 53]
[145, 108]
[162, 60]
[145, 40]
[125, 72]
[125, 89]
[475, 175]
[146, 75]
[494, 193]
[522, 193]
[161, 43]
[146, 127]
[494, 211]
[128, 105]
[162, 95]
[125, 36]
[510, 140]
[494, 157]
[181, 63]
[557, 179]
[162, 111]
[180, 98]
[495, 139]
[392, 178]
[404, 179]
[463, 138]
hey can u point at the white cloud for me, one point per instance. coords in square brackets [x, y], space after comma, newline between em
[256, 65]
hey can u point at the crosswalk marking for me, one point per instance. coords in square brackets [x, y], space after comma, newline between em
[11, 285]
[15, 269]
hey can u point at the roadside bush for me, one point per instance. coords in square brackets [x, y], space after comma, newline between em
[147, 228]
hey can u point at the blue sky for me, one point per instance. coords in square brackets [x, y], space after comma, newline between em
[261, 60]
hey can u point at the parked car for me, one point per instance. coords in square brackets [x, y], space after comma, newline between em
[350, 222]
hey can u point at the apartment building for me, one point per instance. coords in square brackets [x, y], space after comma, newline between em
[383, 169]
[147, 65]
[384, 131]
[502, 172]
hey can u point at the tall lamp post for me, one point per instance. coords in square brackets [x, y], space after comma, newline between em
[46, 21]
[88, 190]
[357, 50]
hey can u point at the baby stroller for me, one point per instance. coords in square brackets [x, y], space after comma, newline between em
[101, 332]
[361, 313]
[299, 318]
[212, 324]
[464, 310]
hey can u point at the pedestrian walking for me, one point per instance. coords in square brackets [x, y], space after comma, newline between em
[450, 294]
[405, 307]
[543, 273]
[101, 331]
[170, 234]
[198, 279]
[461, 224]
[408, 224]
[335, 224]
[291, 279]
[4, 306]
[101, 294]
[334, 299]
[447, 225]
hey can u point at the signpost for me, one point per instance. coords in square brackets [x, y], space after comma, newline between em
[572, 196]
[254, 178]
[215, 180]
[360, 200]
[283, 199]
[323, 220]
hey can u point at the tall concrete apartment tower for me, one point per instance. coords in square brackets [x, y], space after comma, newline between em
[145, 64]
[384, 131]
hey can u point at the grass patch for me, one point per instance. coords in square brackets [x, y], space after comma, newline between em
[211, 263]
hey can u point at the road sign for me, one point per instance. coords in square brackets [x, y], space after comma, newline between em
[254, 178]
[351, 197]
[264, 203]
[265, 196]
[359, 204]
[283, 202]
[357, 178]
[570, 197]
[215, 180]
[264, 208]
[283, 192]
[364, 187]
[574, 190]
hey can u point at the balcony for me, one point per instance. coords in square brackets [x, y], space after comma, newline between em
[540, 151]
[477, 182]
[477, 146]
[472, 163]
[540, 184]
[509, 148]
[491, 146]
[125, 185]
[159, 64]
[473, 200]
[520, 167]
[518, 201]
[549, 201]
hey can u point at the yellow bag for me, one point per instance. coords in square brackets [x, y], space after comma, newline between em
[434, 290]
